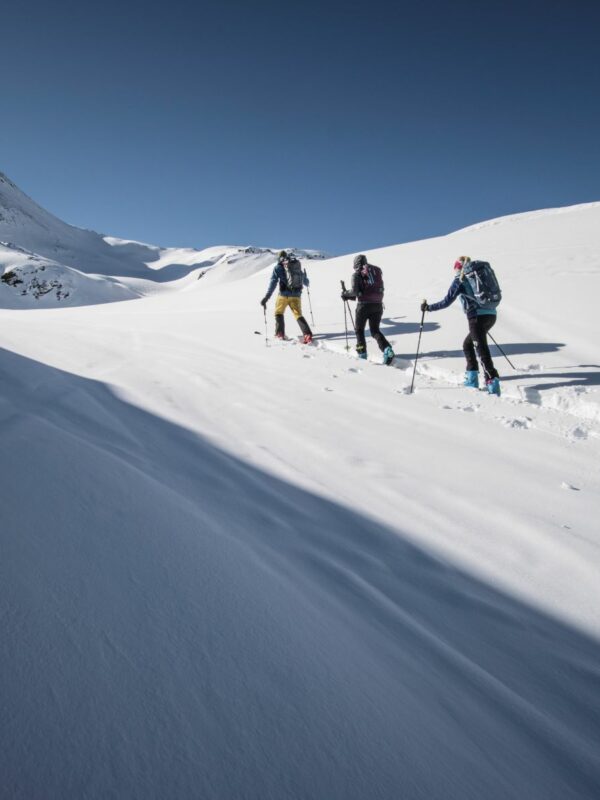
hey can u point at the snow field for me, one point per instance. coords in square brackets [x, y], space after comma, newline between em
[239, 570]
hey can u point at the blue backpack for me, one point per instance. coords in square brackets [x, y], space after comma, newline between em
[483, 283]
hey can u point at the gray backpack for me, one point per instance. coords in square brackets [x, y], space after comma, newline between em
[293, 275]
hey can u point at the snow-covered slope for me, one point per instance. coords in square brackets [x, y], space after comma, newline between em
[235, 568]
[33, 241]
[25, 224]
[29, 281]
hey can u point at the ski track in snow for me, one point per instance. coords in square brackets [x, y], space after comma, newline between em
[237, 570]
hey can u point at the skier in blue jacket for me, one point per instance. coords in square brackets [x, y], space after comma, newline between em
[480, 320]
[290, 276]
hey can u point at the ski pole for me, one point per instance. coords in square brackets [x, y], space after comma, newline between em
[346, 312]
[349, 309]
[266, 330]
[312, 319]
[351, 317]
[345, 315]
[418, 347]
[501, 350]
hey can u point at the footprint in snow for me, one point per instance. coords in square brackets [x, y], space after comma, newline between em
[579, 433]
[519, 423]
[469, 408]
[565, 485]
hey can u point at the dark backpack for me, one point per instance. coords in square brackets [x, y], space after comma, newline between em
[372, 282]
[293, 275]
[483, 283]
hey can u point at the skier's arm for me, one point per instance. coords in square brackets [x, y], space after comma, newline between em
[356, 288]
[272, 284]
[348, 294]
[453, 292]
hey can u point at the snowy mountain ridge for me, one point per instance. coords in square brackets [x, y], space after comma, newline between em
[74, 252]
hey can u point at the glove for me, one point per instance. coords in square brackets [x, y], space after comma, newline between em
[424, 306]
[264, 302]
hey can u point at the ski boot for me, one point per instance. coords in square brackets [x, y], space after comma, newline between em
[388, 356]
[471, 379]
[493, 386]
[308, 338]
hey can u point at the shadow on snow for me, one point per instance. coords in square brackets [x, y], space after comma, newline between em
[178, 623]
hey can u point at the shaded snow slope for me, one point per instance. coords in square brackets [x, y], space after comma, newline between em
[240, 568]
[189, 625]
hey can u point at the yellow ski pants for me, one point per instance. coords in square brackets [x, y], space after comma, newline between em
[294, 303]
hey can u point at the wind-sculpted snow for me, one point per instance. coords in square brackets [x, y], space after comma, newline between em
[234, 567]
[179, 623]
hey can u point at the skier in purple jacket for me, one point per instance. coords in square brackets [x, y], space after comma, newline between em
[367, 290]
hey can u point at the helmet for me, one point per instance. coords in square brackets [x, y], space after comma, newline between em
[359, 261]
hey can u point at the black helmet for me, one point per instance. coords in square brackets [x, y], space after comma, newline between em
[359, 261]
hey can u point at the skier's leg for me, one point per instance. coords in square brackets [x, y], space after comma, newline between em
[483, 323]
[469, 349]
[295, 304]
[280, 306]
[374, 321]
[360, 321]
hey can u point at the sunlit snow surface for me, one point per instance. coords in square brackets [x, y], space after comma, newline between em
[236, 568]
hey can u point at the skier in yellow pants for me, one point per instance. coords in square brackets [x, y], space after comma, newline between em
[288, 273]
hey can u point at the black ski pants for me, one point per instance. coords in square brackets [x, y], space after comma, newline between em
[476, 346]
[371, 313]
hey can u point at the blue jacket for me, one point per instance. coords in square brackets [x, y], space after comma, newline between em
[461, 288]
[279, 275]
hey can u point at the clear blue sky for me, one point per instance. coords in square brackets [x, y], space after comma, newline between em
[340, 126]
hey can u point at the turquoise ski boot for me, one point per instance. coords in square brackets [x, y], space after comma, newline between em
[493, 386]
[471, 379]
[388, 356]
